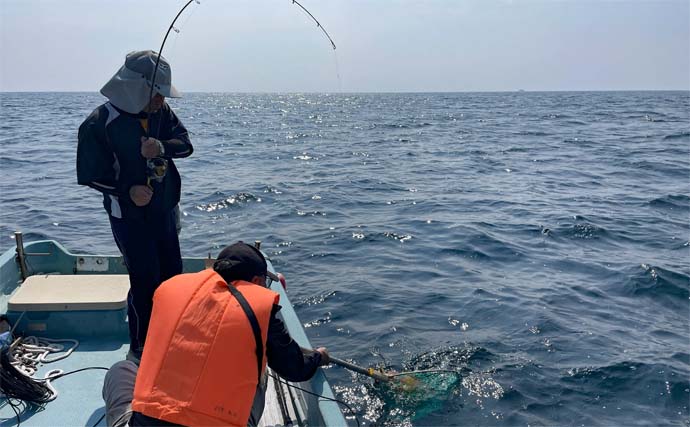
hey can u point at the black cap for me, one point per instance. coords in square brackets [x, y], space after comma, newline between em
[241, 261]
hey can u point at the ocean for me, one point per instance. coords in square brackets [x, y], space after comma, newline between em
[538, 243]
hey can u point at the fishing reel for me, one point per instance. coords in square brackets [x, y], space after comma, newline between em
[156, 169]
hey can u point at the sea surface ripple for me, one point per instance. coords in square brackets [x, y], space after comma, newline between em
[538, 243]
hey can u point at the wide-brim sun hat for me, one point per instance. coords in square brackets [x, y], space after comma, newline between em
[129, 89]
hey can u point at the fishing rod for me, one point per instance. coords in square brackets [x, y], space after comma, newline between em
[318, 24]
[158, 60]
[157, 167]
[172, 27]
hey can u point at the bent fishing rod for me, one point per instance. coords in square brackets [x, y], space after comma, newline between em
[172, 27]
[158, 60]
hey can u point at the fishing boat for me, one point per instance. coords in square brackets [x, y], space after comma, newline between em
[48, 292]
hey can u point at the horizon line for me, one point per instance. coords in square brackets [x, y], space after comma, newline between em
[379, 92]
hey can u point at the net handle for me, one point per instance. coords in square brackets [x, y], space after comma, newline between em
[369, 372]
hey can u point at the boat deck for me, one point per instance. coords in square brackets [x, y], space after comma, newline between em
[82, 387]
[85, 387]
[98, 320]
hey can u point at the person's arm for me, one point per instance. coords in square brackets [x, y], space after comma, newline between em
[177, 147]
[176, 143]
[285, 356]
[95, 160]
[96, 163]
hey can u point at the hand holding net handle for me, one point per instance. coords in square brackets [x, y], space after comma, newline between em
[369, 372]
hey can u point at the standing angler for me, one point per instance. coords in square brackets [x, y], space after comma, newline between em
[125, 151]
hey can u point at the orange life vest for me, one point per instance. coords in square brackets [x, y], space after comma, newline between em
[199, 367]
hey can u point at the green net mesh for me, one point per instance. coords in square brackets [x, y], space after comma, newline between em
[420, 393]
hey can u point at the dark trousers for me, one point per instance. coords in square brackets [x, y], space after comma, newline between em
[152, 255]
[118, 392]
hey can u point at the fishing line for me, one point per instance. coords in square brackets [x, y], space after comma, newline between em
[64, 374]
[16, 411]
[179, 28]
[337, 72]
[16, 384]
[335, 55]
[349, 408]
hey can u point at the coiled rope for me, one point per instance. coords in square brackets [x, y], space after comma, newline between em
[21, 361]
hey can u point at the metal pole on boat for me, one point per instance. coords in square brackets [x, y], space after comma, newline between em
[21, 256]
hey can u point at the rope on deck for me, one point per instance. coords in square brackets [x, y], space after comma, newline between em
[21, 361]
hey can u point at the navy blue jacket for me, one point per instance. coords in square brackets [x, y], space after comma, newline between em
[109, 159]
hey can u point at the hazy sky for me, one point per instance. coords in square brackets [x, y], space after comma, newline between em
[382, 45]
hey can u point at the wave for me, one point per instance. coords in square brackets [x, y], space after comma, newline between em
[631, 377]
[304, 156]
[581, 229]
[452, 357]
[380, 236]
[399, 237]
[680, 135]
[533, 133]
[375, 184]
[649, 116]
[235, 200]
[660, 283]
[7, 162]
[429, 393]
[310, 213]
[671, 201]
[318, 322]
[555, 116]
[587, 231]
[315, 299]
[413, 125]
[466, 253]
[272, 189]
[483, 247]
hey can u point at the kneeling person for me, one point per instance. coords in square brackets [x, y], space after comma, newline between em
[211, 335]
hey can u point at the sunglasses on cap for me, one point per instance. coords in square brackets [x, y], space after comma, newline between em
[270, 278]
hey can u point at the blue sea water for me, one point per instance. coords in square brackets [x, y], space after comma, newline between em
[538, 243]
